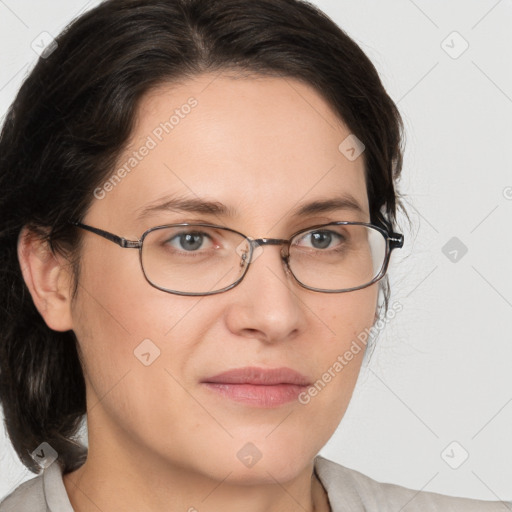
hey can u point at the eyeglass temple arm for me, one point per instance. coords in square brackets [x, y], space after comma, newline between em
[396, 240]
[122, 242]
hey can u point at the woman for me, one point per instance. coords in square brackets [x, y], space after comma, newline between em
[198, 210]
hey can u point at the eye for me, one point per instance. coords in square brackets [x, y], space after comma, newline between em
[190, 241]
[322, 239]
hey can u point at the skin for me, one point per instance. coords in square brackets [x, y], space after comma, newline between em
[158, 440]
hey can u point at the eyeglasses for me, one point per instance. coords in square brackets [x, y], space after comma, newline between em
[204, 259]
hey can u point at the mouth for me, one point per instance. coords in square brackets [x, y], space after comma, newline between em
[258, 387]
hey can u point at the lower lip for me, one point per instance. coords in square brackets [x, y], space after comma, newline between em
[258, 395]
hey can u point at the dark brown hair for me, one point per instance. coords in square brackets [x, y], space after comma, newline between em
[72, 118]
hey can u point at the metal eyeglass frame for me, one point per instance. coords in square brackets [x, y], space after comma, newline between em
[393, 241]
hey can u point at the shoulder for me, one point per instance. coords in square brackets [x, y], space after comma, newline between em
[44, 493]
[29, 496]
[349, 489]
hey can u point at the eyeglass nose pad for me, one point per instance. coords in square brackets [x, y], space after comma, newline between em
[286, 260]
[244, 250]
[243, 260]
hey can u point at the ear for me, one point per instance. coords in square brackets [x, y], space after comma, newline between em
[48, 278]
[379, 305]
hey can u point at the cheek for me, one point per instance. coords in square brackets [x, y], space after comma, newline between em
[339, 356]
[117, 304]
[125, 327]
[359, 306]
[349, 317]
[135, 341]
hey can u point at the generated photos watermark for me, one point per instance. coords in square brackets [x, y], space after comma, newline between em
[344, 359]
[151, 142]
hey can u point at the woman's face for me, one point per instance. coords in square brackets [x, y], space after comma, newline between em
[263, 148]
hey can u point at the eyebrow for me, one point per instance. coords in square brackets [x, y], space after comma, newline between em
[196, 205]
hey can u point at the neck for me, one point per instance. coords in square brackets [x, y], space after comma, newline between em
[119, 475]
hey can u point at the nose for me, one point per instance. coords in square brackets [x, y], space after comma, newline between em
[267, 305]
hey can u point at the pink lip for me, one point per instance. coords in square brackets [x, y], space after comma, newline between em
[259, 387]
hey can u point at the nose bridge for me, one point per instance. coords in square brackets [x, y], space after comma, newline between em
[258, 243]
[271, 241]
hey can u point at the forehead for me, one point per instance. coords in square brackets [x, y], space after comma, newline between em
[258, 144]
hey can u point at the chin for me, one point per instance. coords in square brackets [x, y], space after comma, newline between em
[277, 468]
[265, 461]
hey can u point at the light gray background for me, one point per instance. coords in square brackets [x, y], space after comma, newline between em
[441, 370]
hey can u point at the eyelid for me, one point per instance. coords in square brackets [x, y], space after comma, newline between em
[315, 227]
[319, 224]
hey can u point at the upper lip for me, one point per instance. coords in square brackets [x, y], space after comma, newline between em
[259, 377]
